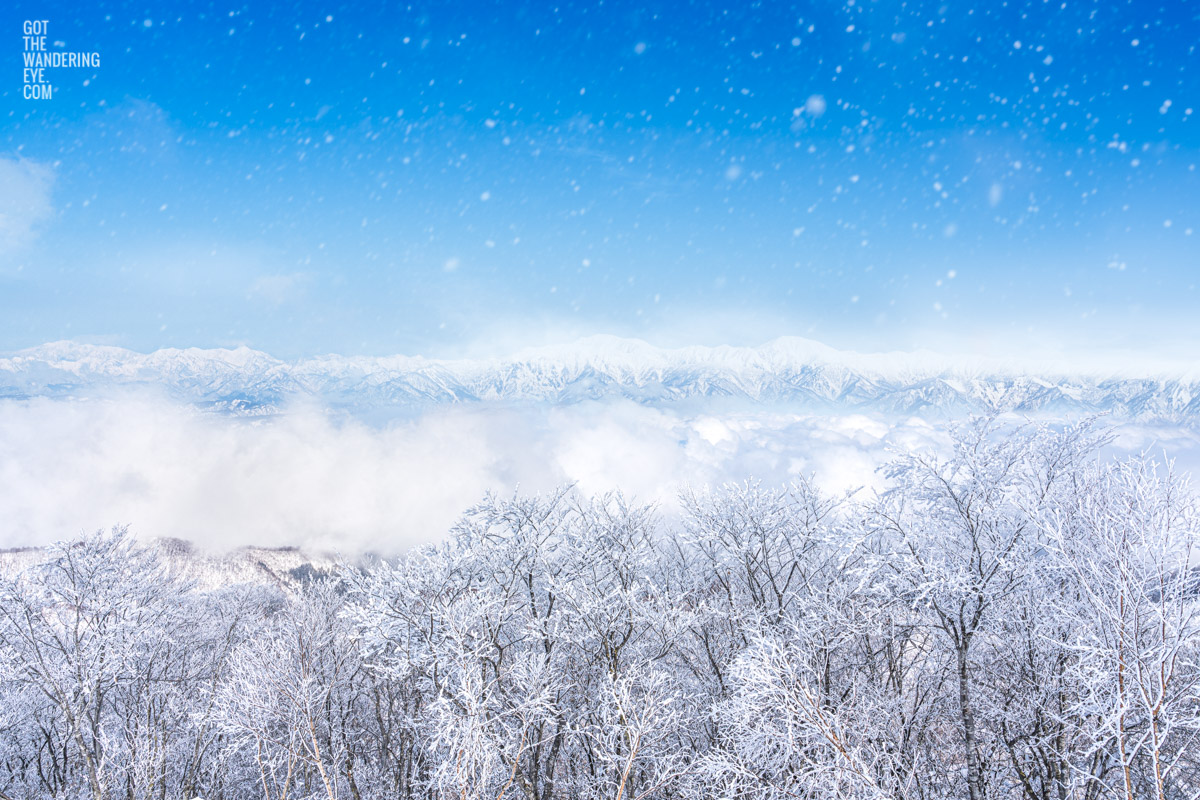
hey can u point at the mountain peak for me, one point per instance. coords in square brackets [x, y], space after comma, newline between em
[790, 370]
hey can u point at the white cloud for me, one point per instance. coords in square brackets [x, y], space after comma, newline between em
[24, 203]
[321, 480]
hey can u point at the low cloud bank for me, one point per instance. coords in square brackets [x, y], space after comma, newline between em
[328, 482]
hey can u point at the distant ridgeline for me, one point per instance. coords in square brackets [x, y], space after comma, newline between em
[796, 373]
[283, 568]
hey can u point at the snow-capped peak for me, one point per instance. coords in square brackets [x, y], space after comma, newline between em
[787, 370]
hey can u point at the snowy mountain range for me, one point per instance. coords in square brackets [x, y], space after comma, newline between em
[796, 372]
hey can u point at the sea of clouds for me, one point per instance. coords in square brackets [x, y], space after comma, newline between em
[329, 481]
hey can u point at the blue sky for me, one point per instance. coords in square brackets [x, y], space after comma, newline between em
[440, 177]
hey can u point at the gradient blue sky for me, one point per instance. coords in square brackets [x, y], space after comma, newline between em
[322, 177]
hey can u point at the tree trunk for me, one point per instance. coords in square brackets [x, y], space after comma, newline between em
[974, 773]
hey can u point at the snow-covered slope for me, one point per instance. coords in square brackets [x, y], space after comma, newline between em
[285, 568]
[794, 371]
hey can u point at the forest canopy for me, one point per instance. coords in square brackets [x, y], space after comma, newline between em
[1018, 619]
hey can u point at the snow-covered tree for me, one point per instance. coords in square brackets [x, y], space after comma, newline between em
[1130, 543]
[1015, 621]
